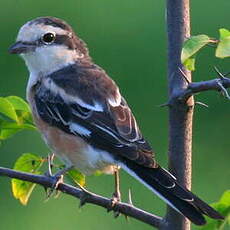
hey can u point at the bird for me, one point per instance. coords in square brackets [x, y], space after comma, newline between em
[85, 120]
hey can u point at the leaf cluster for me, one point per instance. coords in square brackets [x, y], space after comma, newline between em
[195, 43]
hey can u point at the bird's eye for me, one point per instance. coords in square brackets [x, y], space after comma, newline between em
[48, 38]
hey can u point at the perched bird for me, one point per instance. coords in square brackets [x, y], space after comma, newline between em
[84, 119]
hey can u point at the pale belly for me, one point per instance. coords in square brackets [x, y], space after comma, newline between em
[74, 151]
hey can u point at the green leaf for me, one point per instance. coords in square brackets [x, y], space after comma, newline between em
[10, 125]
[211, 225]
[223, 207]
[223, 48]
[7, 109]
[190, 64]
[25, 118]
[27, 162]
[7, 133]
[8, 129]
[18, 103]
[13, 108]
[22, 109]
[76, 176]
[192, 45]
[225, 199]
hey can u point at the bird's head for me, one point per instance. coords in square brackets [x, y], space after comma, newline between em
[48, 44]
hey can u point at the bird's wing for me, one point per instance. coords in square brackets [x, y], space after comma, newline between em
[105, 122]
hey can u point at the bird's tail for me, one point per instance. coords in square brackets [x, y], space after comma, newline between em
[165, 185]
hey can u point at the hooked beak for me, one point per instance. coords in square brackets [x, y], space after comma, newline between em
[21, 47]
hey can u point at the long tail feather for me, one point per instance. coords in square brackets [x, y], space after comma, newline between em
[165, 185]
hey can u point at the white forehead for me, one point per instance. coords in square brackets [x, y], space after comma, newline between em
[32, 32]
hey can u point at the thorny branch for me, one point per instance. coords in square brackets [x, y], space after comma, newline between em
[219, 84]
[128, 209]
[88, 197]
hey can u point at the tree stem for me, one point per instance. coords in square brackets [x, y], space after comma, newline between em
[180, 113]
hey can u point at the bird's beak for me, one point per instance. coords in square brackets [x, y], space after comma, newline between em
[21, 47]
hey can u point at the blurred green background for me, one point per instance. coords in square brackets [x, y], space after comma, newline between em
[128, 39]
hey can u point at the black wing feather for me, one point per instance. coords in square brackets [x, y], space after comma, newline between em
[114, 129]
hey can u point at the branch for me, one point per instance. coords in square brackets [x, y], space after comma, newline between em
[218, 84]
[124, 208]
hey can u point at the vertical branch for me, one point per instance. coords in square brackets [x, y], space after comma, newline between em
[180, 113]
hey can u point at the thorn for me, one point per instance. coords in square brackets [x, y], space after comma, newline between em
[202, 104]
[83, 200]
[226, 74]
[109, 209]
[222, 88]
[84, 196]
[164, 105]
[46, 194]
[126, 217]
[130, 198]
[116, 214]
[221, 76]
[184, 76]
[58, 193]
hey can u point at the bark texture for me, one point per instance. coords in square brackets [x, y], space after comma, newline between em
[180, 113]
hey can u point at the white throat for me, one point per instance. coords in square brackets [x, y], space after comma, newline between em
[48, 59]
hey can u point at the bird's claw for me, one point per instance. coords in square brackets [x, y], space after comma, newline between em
[56, 181]
[57, 178]
[116, 198]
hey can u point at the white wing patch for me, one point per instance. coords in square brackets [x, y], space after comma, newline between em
[49, 84]
[78, 129]
[115, 101]
[111, 134]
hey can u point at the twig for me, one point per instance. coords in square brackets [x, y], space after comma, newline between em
[223, 89]
[124, 208]
[218, 84]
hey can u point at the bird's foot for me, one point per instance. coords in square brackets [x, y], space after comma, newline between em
[57, 178]
[116, 198]
[56, 181]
